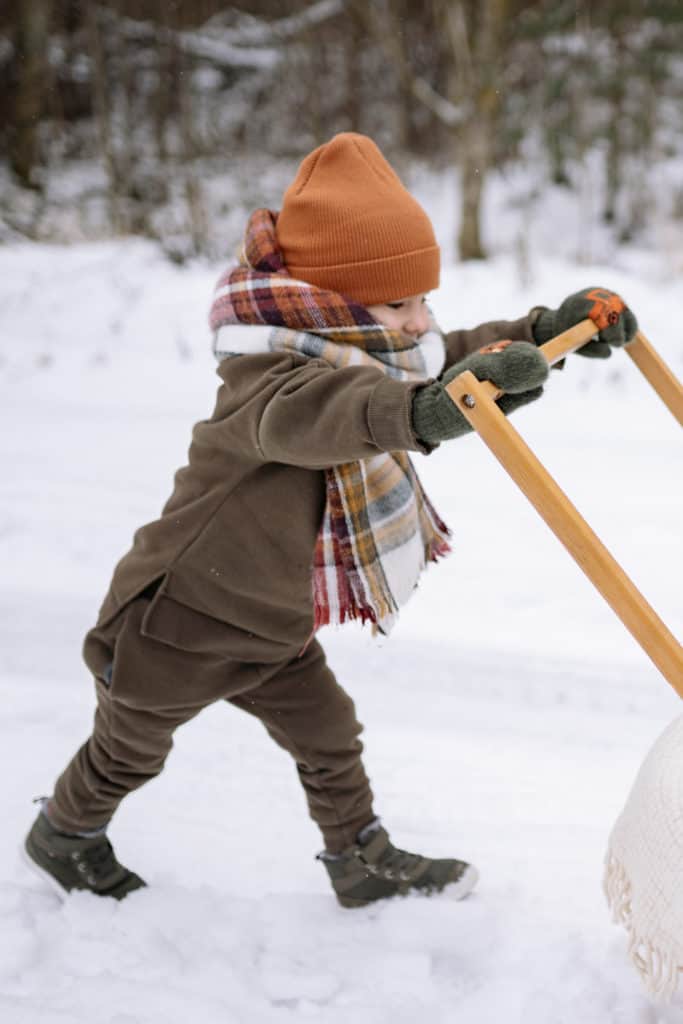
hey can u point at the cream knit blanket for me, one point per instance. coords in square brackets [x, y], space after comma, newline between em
[644, 865]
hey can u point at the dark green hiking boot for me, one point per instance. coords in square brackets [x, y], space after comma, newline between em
[77, 862]
[374, 869]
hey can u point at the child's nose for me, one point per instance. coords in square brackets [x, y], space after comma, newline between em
[418, 322]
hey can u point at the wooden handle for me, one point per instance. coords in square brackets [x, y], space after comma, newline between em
[646, 358]
[662, 379]
[555, 349]
[473, 398]
[562, 344]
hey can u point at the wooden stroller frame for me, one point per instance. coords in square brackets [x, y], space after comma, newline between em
[477, 402]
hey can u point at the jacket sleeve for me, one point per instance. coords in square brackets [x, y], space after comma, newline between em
[306, 413]
[461, 343]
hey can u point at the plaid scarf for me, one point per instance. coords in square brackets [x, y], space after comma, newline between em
[379, 529]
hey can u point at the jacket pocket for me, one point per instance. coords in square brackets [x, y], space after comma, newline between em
[178, 625]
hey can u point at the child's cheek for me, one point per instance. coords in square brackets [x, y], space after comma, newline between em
[387, 320]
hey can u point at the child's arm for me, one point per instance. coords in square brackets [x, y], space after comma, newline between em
[284, 409]
[303, 412]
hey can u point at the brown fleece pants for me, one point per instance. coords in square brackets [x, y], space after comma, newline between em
[146, 689]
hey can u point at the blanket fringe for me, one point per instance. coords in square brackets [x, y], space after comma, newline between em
[658, 968]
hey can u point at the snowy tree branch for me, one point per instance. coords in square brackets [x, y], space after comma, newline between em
[252, 44]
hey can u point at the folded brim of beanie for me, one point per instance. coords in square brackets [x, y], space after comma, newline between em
[412, 273]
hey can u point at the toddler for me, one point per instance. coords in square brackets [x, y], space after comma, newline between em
[298, 507]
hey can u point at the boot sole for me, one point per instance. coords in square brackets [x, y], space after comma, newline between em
[41, 873]
[464, 886]
[452, 890]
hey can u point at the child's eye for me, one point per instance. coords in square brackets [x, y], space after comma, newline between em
[395, 305]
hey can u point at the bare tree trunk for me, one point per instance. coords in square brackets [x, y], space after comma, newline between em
[352, 41]
[639, 197]
[614, 158]
[33, 22]
[192, 187]
[473, 147]
[102, 106]
[162, 104]
[315, 64]
[475, 33]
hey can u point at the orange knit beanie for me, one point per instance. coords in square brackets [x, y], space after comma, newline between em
[347, 224]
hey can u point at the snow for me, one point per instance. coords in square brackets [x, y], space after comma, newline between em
[505, 718]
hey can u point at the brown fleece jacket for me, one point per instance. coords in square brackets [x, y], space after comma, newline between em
[234, 544]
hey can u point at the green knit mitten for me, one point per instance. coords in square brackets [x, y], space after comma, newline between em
[616, 324]
[515, 366]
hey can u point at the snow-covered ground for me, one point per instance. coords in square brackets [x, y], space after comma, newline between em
[505, 718]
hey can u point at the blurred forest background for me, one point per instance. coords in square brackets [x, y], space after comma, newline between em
[171, 120]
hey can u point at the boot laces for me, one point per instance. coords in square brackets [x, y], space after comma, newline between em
[395, 863]
[98, 861]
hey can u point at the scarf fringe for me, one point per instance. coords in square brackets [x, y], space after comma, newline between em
[353, 603]
[438, 548]
[658, 968]
[348, 613]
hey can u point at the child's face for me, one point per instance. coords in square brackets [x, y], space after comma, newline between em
[409, 316]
